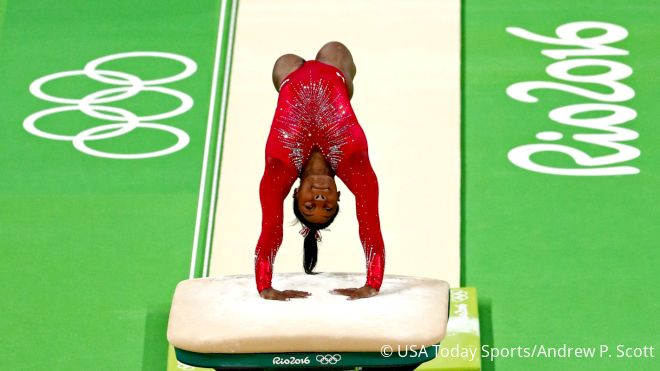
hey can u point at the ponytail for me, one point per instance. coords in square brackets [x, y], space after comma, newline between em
[311, 252]
[312, 234]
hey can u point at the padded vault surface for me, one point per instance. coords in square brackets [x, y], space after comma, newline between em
[226, 315]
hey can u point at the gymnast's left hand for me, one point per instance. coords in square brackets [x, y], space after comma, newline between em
[354, 293]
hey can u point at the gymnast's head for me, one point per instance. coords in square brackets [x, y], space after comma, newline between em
[316, 201]
[315, 204]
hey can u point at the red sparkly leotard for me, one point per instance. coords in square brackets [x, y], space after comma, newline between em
[314, 111]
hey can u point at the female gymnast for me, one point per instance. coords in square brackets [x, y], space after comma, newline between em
[315, 136]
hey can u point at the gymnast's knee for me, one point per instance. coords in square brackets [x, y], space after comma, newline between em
[284, 65]
[337, 54]
[332, 49]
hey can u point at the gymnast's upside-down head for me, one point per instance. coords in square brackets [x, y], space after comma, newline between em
[315, 204]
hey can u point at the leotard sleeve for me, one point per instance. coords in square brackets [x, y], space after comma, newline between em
[358, 175]
[275, 185]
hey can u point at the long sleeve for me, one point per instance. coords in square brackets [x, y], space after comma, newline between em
[356, 172]
[275, 185]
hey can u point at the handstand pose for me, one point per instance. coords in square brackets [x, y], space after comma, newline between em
[314, 136]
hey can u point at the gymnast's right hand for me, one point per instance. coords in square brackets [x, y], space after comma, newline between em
[286, 295]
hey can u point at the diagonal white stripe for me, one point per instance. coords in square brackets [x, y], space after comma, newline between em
[221, 127]
[207, 142]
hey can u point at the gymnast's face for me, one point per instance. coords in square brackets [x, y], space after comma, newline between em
[317, 198]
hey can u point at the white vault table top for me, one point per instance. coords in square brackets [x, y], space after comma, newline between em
[226, 315]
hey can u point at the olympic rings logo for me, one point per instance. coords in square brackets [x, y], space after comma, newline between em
[328, 359]
[123, 121]
[459, 295]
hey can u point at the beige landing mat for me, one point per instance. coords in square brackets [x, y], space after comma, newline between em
[407, 99]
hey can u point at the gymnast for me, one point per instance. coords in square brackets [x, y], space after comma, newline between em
[315, 136]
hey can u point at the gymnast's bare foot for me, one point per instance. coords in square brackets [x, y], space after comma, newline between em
[286, 295]
[356, 293]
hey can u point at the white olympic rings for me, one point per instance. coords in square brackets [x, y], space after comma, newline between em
[123, 121]
[328, 359]
[459, 295]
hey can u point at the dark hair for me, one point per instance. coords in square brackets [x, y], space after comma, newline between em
[310, 246]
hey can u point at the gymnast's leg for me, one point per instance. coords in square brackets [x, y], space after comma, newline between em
[284, 66]
[337, 54]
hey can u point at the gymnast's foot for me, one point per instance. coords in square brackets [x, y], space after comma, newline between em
[356, 293]
[286, 295]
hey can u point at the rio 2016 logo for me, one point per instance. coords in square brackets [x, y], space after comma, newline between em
[291, 361]
[121, 121]
[611, 134]
[324, 359]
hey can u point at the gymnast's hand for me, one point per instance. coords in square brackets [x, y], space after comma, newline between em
[286, 295]
[356, 293]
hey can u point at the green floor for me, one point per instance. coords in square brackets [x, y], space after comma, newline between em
[559, 259]
[92, 247]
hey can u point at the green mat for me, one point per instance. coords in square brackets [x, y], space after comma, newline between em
[92, 246]
[560, 259]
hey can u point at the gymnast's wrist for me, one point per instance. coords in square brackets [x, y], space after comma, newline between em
[372, 287]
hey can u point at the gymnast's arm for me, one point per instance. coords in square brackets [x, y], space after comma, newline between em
[275, 185]
[358, 175]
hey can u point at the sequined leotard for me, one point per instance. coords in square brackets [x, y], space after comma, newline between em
[314, 111]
